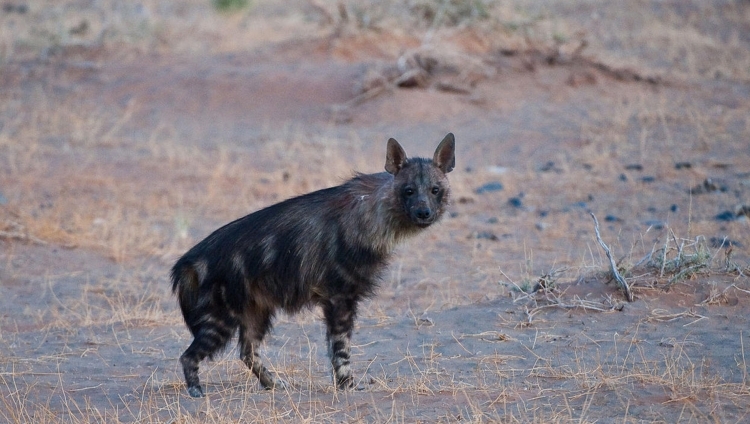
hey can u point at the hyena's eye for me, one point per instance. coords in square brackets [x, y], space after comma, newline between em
[408, 191]
[435, 190]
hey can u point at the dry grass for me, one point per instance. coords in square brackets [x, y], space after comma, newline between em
[99, 340]
[82, 196]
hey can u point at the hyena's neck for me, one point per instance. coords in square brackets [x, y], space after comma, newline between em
[381, 220]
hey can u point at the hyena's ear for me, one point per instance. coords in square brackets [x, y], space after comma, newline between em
[395, 157]
[445, 154]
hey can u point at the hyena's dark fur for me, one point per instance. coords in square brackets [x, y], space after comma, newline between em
[327, 248]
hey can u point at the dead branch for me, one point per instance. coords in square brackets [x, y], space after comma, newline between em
[662, 315]
[715, 296]
[620, 280]
[575, 303]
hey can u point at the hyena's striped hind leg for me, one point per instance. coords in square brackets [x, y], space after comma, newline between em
[252, 330]
[210, 337]
[339, 315]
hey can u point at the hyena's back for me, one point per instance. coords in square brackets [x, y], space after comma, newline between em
[286, 255]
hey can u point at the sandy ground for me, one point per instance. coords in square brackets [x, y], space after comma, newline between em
[118, 160]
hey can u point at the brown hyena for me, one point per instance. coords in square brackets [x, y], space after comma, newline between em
[324, 248]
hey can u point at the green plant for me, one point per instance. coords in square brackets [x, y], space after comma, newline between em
[230, 5]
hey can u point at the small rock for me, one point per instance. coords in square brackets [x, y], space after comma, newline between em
[550, 166]
[516, 202]
[489, 187]
[655, 224]
[674, 208]
[581, 205]
[634, 167]
[725, 216]
[541, 226]
[683, 165]
[493, 220]
[648, 179]
[487, 235]
[623, 177]
[612, 218]
[708, 186]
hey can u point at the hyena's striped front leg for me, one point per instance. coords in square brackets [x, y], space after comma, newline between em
[339, 314]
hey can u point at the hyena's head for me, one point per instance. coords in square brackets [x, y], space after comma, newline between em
[420, 184]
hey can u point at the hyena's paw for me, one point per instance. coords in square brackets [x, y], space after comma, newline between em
[195, 391]
[271, 382]
[364, 384]
[344, 382]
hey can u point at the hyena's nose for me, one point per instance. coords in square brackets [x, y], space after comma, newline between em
[423, 213]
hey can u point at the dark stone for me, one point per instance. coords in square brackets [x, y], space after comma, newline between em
[486, 235]
[549, 166]
[489, 187]
[725, 216]
[708, 186]
[655, 224]
[612, 218]
[516, 202]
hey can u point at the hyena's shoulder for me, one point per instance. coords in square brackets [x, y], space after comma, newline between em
[368, 183]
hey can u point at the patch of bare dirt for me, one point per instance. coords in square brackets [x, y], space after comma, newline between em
[116, 164]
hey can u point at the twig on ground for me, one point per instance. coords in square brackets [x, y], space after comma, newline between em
[575, 303]
[620, 280]
[662, 315]
[713, 296]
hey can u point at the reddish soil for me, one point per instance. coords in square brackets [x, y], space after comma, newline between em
[448, 337]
